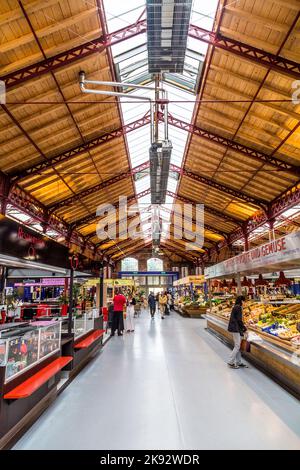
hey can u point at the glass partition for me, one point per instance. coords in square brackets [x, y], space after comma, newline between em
[21, 352]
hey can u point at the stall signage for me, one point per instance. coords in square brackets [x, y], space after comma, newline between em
[21, 242]
[46, 282]
[58, 281]
[283, 250]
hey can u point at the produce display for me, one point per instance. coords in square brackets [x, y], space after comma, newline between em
[186, 301]
[282, 322]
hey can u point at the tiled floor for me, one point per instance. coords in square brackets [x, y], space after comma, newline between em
[167, 386]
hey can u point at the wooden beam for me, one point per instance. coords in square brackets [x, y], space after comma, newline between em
[32, 7]
[44, 32]
[249, 17]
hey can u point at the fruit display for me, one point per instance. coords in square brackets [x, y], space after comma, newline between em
[282, 322]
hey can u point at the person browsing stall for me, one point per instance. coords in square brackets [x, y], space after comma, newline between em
[237, 327]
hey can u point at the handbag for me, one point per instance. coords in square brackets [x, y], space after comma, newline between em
[245, 345]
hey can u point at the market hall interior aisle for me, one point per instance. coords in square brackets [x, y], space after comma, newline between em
[167, 386]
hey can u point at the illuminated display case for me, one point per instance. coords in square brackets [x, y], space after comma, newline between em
[21, 352]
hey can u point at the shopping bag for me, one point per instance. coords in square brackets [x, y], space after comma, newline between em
[245, 345]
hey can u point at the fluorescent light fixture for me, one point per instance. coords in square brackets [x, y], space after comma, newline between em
[166, 33]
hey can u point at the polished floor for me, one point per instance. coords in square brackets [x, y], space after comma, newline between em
[167, 386]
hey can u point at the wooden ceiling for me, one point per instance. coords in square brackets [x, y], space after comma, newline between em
[31, 133]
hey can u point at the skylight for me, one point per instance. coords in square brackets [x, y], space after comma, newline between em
[131, 61]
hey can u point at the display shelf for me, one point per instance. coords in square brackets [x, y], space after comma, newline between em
[89, 340]
[272, 355]
[24, 351]
[31, 385]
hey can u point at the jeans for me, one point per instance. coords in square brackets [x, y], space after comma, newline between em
[152, 310]
[235, 356]
[116, 322]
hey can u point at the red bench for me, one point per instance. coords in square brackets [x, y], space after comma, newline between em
[90, 339]
[29, 386]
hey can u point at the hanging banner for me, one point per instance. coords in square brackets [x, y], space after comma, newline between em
[283, 253]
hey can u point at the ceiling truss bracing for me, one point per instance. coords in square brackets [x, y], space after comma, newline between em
[193, 221]
[92, 217]
[96, 142]
[231, 144]
[246, 51]
[115, 179]
[77, 53]
[83, 148]
[209, 210]
[27, 204]
[63, 59]
[220, 187]
[144, 166]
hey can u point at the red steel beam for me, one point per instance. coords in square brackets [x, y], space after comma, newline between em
[220, 187]
[260, 57]
[245, 51]
[92, 217]
[208, 209]
[81, 149]
[30, 206]
[236, 146]
[206, 226]
[131, 249]
[68, 57]
[276, 208]
[98, 187]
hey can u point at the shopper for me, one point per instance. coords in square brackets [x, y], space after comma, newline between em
[169, 303]
[237, 328]
[163, 299]
[129, 322]
[117, 323]
[152, 304]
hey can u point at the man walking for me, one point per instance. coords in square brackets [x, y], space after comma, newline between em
[152, 304]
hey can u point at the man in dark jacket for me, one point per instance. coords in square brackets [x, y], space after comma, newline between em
[237, 328]
[152, 304]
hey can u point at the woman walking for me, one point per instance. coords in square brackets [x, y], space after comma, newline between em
[163, 300]
[129, 323]
[237, 328]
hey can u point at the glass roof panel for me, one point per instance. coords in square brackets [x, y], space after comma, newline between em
[131, 59]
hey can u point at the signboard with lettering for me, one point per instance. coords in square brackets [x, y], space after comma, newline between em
[283, 253]
[21, 242]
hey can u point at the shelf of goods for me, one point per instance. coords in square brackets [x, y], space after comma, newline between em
[30, 370]
[37, 360]
[190, 299]
[274, 337]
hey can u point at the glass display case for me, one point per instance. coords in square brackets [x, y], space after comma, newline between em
[50, 340]
[83, 325]
[20, 352]
[2, 352]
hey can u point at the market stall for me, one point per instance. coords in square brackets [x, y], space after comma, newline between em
[190, 296]
[273, 323]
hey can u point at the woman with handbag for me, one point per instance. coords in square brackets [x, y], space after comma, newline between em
[237, 327]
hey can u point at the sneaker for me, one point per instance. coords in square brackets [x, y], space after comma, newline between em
[162, 318]
[243, 365]
[233, 366]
